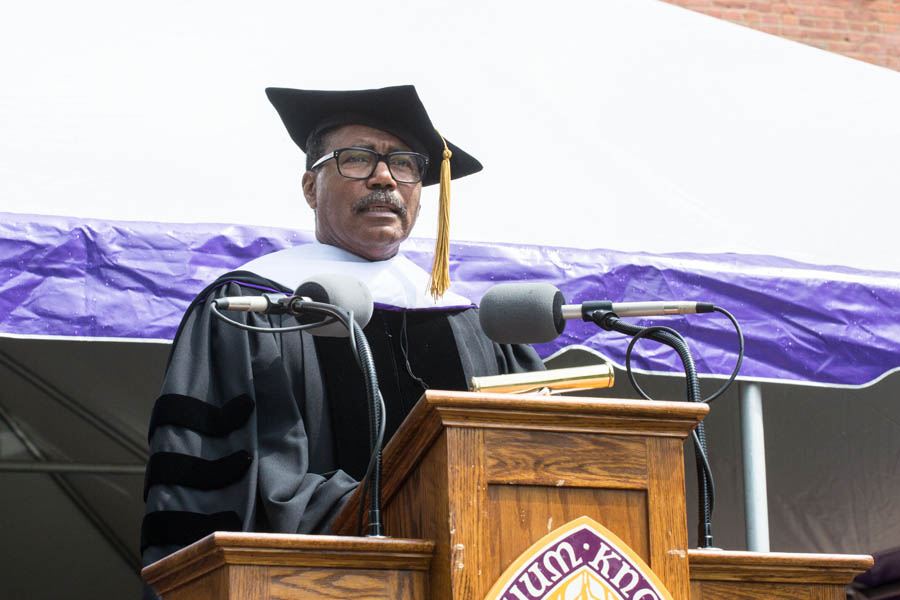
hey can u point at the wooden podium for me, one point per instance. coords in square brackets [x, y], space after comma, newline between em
[473, 480]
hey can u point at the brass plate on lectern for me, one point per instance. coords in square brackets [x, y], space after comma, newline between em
[582, 560]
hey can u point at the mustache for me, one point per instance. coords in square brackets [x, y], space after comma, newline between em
[384, 197]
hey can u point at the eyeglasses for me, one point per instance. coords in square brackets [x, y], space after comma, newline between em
[360, 163]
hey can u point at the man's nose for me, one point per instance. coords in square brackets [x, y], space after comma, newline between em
[381, 177]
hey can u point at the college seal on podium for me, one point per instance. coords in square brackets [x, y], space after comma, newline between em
[581, 560]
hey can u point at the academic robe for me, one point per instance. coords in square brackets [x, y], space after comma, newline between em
[250, 432]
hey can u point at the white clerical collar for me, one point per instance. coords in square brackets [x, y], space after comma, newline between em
[395, 283]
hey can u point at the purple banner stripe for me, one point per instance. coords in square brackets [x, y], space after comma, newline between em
[835, 325]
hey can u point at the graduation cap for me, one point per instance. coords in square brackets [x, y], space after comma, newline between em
[398, 111]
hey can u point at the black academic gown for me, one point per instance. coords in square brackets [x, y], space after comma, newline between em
[245, 435]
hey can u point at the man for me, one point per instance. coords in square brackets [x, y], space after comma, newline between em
[268, 431]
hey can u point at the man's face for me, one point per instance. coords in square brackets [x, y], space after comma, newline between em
[368, 217]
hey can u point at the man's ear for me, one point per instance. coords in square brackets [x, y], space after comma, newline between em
[309, 189]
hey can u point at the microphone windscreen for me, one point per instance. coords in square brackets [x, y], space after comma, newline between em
[522, 313]
[342, 291]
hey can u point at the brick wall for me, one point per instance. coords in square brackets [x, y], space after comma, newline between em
[867, 30]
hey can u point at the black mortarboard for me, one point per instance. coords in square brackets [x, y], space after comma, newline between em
[398, 111]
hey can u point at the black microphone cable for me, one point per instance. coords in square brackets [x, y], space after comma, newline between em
[670, 337]
[362, 353]
[372, 479]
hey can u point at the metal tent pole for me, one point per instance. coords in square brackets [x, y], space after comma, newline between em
[756, 507]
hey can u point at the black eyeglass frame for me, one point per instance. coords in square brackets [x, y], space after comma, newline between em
[380, 157]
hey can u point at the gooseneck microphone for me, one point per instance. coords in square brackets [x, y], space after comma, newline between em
[520, 313]
[533, 313]
[323, 305]
[344, 292]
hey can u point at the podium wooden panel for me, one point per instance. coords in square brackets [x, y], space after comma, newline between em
[249, 566]
[486, 475]
[472, 480]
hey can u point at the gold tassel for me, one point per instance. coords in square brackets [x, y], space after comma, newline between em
[440, 270]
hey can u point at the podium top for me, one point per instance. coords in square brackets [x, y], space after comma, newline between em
[552, 413]
[776, 567]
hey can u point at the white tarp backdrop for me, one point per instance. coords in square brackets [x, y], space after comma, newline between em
[626, 124]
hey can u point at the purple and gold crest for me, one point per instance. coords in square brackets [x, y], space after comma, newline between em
[581, 560]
